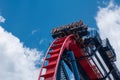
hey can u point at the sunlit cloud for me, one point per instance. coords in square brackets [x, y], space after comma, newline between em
[2, 19]
[108, 22]
[16, 61]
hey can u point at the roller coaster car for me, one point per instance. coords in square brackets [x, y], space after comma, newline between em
[109, 50]
[74, 28]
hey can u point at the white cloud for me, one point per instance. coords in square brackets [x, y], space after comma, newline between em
[34, 31]
[2, 19]
[41, 41]
[16, 61]
[108, 22]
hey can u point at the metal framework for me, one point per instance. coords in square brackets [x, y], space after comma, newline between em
[86, 56]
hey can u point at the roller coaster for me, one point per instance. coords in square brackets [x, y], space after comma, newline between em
[77, 50]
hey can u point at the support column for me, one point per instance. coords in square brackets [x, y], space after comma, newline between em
[74, 66]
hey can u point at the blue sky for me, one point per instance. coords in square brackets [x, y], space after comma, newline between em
[31, 21]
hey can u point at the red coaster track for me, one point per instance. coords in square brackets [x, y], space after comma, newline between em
[85, 55]
[56, 50]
